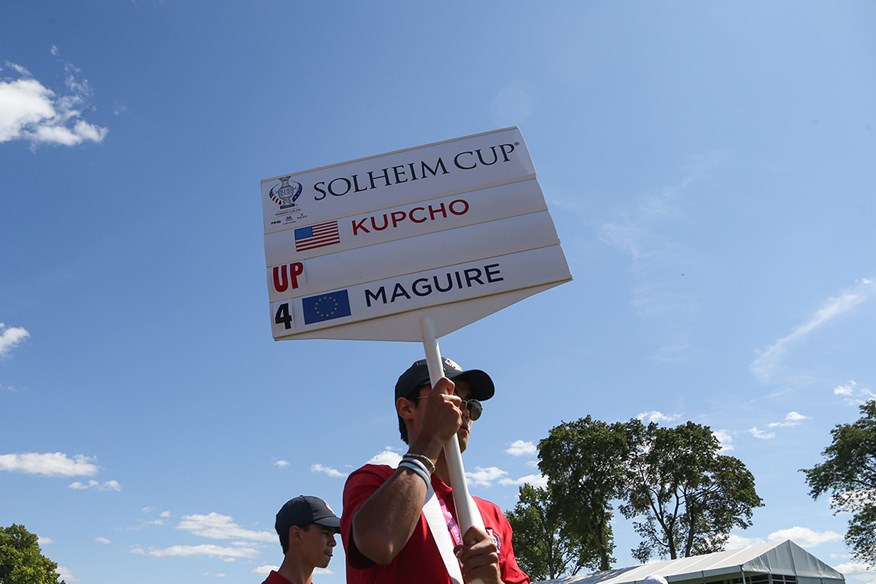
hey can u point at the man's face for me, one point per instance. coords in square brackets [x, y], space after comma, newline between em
[317, 543]
[462, 390]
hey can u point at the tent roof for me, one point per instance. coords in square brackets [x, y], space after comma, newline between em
[785, 557]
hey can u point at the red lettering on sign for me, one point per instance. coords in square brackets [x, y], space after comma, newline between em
[398, 217]
[287, 274]
[358, 225]
[384, 221]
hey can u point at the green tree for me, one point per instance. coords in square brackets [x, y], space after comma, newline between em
[848, 474]
[689, 495]
[544, 547]
[584, 463]
[21, 561]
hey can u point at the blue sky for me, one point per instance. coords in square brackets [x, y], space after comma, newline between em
[708, 165]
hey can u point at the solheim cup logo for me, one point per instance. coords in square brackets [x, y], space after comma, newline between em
[286, 193]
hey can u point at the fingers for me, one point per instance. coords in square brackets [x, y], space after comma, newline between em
[442, 393]
[479, 556]
[444, 385]
[473, 535]
[443, 412]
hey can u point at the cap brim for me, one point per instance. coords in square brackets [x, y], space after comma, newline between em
[480, 384]
[333, 522]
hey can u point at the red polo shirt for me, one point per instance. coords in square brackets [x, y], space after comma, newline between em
[420, 560]
[275, 578]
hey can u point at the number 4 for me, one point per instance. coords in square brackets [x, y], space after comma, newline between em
[283, 316]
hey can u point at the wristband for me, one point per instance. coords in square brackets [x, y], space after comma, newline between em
[419, 471]
[416, 463]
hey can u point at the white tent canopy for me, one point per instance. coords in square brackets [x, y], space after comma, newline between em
[756, 564]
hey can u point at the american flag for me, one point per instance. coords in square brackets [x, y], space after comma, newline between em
[314, 236]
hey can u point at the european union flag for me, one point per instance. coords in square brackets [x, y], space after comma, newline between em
[326, 306]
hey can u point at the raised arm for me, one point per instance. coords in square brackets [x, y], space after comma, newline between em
[385, 521]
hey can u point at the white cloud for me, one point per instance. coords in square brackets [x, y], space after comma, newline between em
[861, 571]
[725, 438]
[485, 477]
[18, 69]
[166, 514]
[96, 485]
[281, 463]
[209, 550]
[791, 419]
[218, 526]
[760, 434]
[766, 364]
[522, 448]
[30, 111]
[804, 537]
[13, 335]
[264, 570]
[103, 540]
[66, 575]
[327, 470]
[736, 542]
[48, 464]
[658, 417]
[852, 394]
[536, 480]
[23, 102]
[847, 389]
[388, 457]
[45, 540]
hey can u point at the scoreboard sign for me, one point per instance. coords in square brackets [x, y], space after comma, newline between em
[455, 230]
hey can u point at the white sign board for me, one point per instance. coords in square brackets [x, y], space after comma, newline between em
[455, 230]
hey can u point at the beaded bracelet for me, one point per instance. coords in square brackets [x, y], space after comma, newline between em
[420, 472]
[430, 466]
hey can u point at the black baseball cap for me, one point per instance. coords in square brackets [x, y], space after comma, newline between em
[417, 375]
[304, 510]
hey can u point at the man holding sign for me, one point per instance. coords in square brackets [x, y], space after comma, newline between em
[400, 525]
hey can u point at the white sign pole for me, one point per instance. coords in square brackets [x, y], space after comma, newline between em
[466, 508]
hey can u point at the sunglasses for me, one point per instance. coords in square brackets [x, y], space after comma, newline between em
[474, 407]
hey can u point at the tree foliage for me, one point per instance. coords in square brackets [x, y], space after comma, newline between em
[848, 474]
[584, 465]
[683, 494]
[688, 495]
[544, 547]
[21, 561]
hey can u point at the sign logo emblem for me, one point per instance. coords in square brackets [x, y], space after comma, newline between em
[285, 194]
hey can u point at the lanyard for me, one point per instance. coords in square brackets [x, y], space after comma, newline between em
[452, 525]
[434, 510]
